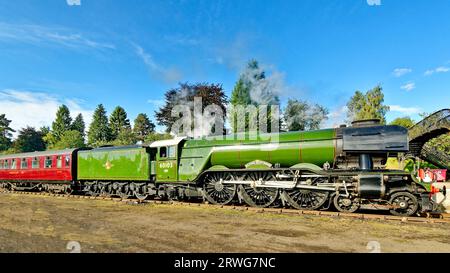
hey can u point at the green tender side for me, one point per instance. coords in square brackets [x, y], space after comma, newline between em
[316, 147]
[114, 164]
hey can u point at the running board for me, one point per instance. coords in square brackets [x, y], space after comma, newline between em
[279, 184]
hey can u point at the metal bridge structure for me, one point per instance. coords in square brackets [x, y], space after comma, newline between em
[430, 127]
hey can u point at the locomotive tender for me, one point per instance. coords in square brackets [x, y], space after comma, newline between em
[305, 170]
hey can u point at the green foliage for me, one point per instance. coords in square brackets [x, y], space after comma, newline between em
[368, 106]
[79, 125]
[406, 122]
[240, 94]
[157, 136]
[126, 136]
[184, 95]
[49, 139]
[441, 143]
[118, 121]
[29, 140]
[99, 130]
[62, 122]
[70, 139]
[143, 126]
[300, 115]
[5, 133]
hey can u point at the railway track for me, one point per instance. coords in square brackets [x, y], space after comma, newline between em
[429, 218]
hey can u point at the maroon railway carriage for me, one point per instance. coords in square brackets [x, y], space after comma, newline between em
[28, 171]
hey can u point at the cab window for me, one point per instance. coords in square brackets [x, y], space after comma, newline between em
[171, 151]
[35, 163]
[24, 164]
[163, 152]
[48, 162]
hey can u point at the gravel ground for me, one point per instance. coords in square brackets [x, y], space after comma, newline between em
[49, 224]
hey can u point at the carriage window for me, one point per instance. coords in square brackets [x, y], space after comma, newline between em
[48, 162]
[59, 162]
[67, 161]
[163, 152]
[14, 164]
[35, 163]
[1, 164]
[6, 165]
[171, 151]
[24, 164]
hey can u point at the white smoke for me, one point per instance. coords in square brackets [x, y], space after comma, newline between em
[267, 90]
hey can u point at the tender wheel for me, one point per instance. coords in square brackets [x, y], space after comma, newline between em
[306, 199]
[139, 192]
[93, 190]
[215, 191]
[105, 190]
[123, 191]
[405, 204]
[346, 204]
[259, 196]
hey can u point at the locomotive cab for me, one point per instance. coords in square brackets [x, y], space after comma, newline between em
[164, 163]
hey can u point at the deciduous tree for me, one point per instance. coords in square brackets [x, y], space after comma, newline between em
[368, 106]
[29, 140]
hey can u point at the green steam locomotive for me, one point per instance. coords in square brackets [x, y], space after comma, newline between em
[310, 170]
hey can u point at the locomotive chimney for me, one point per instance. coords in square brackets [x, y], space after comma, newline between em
[366, 123]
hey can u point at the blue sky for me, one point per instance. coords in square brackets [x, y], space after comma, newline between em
[130, 52]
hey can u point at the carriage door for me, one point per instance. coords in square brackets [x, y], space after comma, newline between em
[167, 165]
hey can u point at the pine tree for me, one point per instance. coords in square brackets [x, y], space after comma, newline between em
[5, 133]
[99, 131]
[118, 121]
[62, 122]
[79, 125]
[143, 127]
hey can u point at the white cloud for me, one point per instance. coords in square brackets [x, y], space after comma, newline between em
[169, 75]
[398, 72]
[34, 109]
[405, 110]
[42, 35]
[409, 86]
[428, 72]
[440, 69]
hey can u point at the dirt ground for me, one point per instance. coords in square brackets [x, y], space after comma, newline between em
[49, 224]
